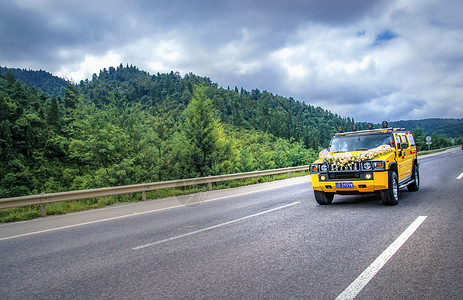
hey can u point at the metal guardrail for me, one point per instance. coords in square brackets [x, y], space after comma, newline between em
[437, 150]
[44, 199]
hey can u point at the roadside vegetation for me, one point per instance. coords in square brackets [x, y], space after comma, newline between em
[59, 208]
[126, 126]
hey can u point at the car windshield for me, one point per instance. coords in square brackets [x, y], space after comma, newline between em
[359, 142]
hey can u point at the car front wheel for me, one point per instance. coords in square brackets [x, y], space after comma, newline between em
[391, 195]
[323, 198]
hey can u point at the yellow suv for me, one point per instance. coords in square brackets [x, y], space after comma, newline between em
[369, 161]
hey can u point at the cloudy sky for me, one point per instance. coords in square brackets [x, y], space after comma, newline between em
[372, 60]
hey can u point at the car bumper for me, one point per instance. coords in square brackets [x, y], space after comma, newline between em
[379, 182]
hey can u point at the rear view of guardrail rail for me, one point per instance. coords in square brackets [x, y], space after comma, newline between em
[44, 199]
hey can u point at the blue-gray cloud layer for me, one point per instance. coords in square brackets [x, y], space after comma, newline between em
[370, 60]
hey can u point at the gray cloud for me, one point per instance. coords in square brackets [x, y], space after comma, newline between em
[371, 60]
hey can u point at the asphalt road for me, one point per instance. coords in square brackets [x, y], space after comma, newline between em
[269, 241]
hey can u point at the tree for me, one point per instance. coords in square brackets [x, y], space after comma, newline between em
[71, 98]
[204, 135]
[163, 125]
[53, 114]
[419, 137]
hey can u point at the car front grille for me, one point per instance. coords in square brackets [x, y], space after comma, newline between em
[355, 166]
[344, 175]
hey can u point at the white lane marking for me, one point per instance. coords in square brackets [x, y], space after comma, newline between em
[213, 227]
[82, 224]
[460, 176]
[360, 282]
[133, 214]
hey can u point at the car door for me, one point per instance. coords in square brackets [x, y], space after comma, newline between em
[401, 164]
[409, 153]
[404, 157]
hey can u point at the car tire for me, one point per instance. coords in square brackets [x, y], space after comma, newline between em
[415, 185]
[323, 198]
[391, 195]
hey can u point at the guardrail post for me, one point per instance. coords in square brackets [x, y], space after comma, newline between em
[257, 179]
[43, 206]
[143, 195]
[210, 184]
[289, 174]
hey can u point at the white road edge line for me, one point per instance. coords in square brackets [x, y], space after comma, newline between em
[360, 282]
[460, 176]
[213, 227]
[128, 215]
[87, 223]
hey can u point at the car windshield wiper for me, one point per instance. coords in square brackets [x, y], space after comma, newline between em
[361, 149]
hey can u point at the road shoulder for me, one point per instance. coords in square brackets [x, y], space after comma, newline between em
[124, 210]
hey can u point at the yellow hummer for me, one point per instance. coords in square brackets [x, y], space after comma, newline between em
[369, 161]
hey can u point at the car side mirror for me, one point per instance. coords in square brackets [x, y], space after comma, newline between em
[403, 145]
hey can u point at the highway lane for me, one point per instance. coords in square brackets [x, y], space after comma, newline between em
[271, 244]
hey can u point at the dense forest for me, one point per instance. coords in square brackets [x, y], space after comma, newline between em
[132, 129]
[446, 127]
[125, 126]
[42, 80]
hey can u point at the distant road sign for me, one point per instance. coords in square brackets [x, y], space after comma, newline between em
[428, 138]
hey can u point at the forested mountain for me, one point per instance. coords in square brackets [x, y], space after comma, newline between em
[254, 109]
[448, 127]
[170, 85]
[42, 80]
[126, 126]
[97, 135]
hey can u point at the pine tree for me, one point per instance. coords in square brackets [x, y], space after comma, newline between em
[204, 134]
[53, 114]
[71, 98]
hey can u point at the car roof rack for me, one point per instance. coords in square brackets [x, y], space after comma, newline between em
[390, 129]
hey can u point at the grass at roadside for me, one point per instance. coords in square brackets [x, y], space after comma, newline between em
[59, 208]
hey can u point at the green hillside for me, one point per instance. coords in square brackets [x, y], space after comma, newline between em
[447, 127]
[126, 126]
[42, 80]
[98, 136]
[262, 111]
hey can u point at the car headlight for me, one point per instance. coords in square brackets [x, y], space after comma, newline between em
[373, 165]
[314, 168]
[379, 165]
[367, 165]
[323, 168]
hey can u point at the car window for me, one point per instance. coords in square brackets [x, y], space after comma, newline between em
[347, 143]
[404, 138]
[411, 140]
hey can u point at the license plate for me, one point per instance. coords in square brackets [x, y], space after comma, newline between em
[344, 185]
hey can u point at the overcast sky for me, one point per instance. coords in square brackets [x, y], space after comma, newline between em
[372, 60]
